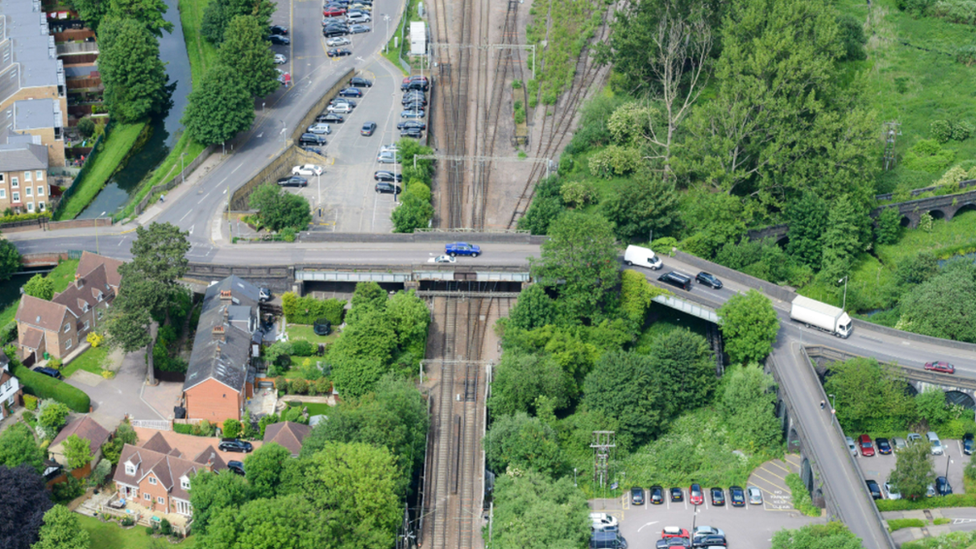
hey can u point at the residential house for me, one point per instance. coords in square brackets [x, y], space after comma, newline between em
[220, 375]
[58, 326]
[288, 434]
[31, 71]
[24, 183]
[11, 392]
[85, 428]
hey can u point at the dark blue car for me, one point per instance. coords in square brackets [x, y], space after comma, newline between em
[462, 248]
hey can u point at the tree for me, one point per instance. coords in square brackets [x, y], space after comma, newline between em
[246, 53]
[913, 473]
[888, 227]
[220, 107]
[748, 405]
[53, 416]
[521, 377]
[941, 306]
[869, 397]
[209, 493]
[289, 522]
[533, 512]
[9, 259]
[640, 206]
[133, 75]
[279, 209]
[840, 239]
[148, 12]
[749, 326]
[412, 213]
[808, 223]
[18, 447]
[355, 376]
[636, 295]
[62, 530]
[368, 297]
[219, 13]
[522, 443]
[409, 317]
[626, 386]
[90, 11]
[265, 466]
[533, 309]
[931, 406]
[40, 286]
[370, 336]
[77, 452]
[852, 38]
[682, 360]
[917, 269]
[582, 252]
[814, 536]
[23, 506]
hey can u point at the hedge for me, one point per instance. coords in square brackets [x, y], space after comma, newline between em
[43, 386]
[800, 496]
[306, 310]
[953, 500]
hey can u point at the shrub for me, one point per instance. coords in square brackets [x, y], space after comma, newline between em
[8, 333]
[898, 524]
[86, 127]
[966, 55]
[150, 530]
[298, 386]
[800, 496]
[55, 363]
[42, 386]
[961, 130]
[306, 310]
[323, 386]
[94, 339]
[941, 130]
[231, 428]
[100, 472]
[30, 402]
[184, 428]
[164, 527]
[577, 194]
[301, 347]
[68, 490]
[127, 521]
[927, 155]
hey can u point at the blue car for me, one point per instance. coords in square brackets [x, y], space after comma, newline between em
[462, 248]
[351, 92]
[412, 114]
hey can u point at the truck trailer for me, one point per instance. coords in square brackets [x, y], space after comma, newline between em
[821, 316]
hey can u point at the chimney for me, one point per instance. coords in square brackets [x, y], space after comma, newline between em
[217, 352]
[79, 282]
[210, 462]
[225, 295]
[218, 333]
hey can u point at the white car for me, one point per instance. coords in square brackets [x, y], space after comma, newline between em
[890, 491]
[755, 495]
[449, 259]
[935, 442]
[851, 446]
[280, 59]
[307, 169]
[706, 531]
[361, 6]
[386, 157]
[340, 108]
[320, 129]
[389, 148]
[603, 521]
[358, 18]
[337, 41]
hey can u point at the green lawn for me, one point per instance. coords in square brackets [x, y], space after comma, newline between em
[63, 274]
[110, 534]
[302, 331]
[393, 54]
[113, 150]
[314, 408]
[93, 360]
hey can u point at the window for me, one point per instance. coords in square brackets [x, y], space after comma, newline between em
[40, 207]
[182, 507]
[86, 323]
[67, 345]
[185, 483]
[159, 499]
[130, 468]
[28, 191]
[6, 387]
[16, 196]
[30, 206]
[3, 194]
[39, 175]
[40, 191]
[27, 176]
[98, 313]
[152, 480]
[147, 496]
[67, 328]
[14, 182]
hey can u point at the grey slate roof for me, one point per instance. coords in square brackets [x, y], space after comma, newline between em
[32, 60]
[36, 113]
[18, 153]
[226, 361]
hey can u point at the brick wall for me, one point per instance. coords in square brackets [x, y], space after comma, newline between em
[213, 401]
[157, 491]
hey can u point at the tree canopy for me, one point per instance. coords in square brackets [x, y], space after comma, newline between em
[749, 326]
[62, 530]
[23, 506]
[40, 286]
[816, 536]
[913, 473]
[629, 387]
[133, 75]
[18, 447]
[533, 512]
[941, 306]
[220, 107]
[246, 53]
[522, 443]
[211, 493]
[280, 209]
[77, 452]
[9, 259]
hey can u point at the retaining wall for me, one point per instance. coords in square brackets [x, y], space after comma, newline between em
[441, 237]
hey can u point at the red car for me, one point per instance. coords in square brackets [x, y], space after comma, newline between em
[867, 447]
[943, 367]
[334, 12]
[674, 532]
[695, 495]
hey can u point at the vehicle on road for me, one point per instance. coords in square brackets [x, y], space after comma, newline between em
[384, 175]
[293, 181]
[755, 495]
[935, 442]
[420, 125]
[319, 128]
[604, 522]
[338, 53]
[737, 496]
[827, 318]
[331, 117]
[463, 248]
[338, 41]
[340, 108]
[607, 540]
[657, 495]
[358, 29]
[890, 492]
[49, 372]
[636, 493]
[941, 367]
[942, 486]
[234, 445]
[236, 467]
[351, 92]
[677, 494]
[280, 59]
[709, 280]
[874, 488]
[279, 40]
[718, 496]
[695, 495]
[448, 259]
[279, 30]
[851, 446]
[642, 257]
[867, 447]
[359, 82]
[676, 279]
[387, 188]
[884, 447]
[307, 169]
[368, 129]
[415, 133]
[967, 444]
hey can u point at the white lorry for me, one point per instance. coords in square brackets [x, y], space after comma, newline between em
[822, 316]
[643, 257]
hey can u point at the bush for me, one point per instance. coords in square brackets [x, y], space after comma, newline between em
[306, 310]
[164, 527]
[94, 339]
[232, 428]
[8, 333]
[800, 496]
[301, 347]
[966, 55]
[55, 363]
[927, 155]
[68, 490]
[42, 386]
[322, 386]
[298, 386]
[953, 500]
[127, 521]
[30, 402]
[940, 130]
[898, 524]
[86, 127]
[150, 530]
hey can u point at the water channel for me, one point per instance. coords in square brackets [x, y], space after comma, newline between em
[165, 127]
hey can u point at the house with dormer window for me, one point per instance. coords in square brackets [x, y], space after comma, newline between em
[60, 326]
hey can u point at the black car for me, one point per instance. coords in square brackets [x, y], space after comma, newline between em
[293, 181]
[657, 495]
[412, 124]
[279, 40]
[874, 488]
[331, 118]
[708, 279]
[338, 53]
[383, 175]
[279, 30]
[315, 150]
[234, 445]
[416, 106]
[358, 82]
[711, 540]
[676, 279]
[414, 94]
[884, 447]
[236, 467]
[967, 444]
[677, 494]
[942, 486]
[312, 139]
[718, 496]
[351, 92]
[738, 496]
[672, 542]
[411, 132]
[368, 129]
[413, 101]
[49, 372]
[637, 495]
[329, 32]
[415, 85]
[387, 188]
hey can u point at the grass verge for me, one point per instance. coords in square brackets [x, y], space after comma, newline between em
[392, 54]
[301, 331]
[110, 534]
[898, 524]
[91, 361]
[565, 28]
[800, 496]
[115, 148]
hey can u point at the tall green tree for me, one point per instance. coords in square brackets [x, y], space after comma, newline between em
[534, 309]
[148, 12]
[815, 536]
[682, 361]
[368, 297]
[62, 530]
[840, 240]
[211, 493]
[913, 473]
[77, 452]
[409, 317]
[626, 386]
[870, 398]
[219, 13]
[522, 443]
[53, 416]
[931, 406]
[246, 52]
[40, 286]
[942, 306]
[807, 218]
[265, 468]
[90, 11]
[280, 209]
[412, 213]
[640, 206]
[287, 522]
[580, 262]
[522, 377]
[748, 406]
[220, 107]
[749, 326]
[112, 449]
[133, 75]
[9, 259]
[888, 228]
[533, 512]
[18, 447]
[23, 506]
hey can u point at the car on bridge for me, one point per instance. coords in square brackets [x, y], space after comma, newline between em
[941, 367]
[709, 280]
[442, 259]
[867, 447]
[676, 279]
[455, 249]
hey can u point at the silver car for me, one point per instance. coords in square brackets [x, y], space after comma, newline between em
[912, 437]
[358, 29]
[320, 129]
[755, 495]
[898, 443]
[386, 158]
[338, 41]
[890, 491]
[935, 442]
[851, 446]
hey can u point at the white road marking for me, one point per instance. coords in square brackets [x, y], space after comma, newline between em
[237, 168]
[184, 215]
[646, 525]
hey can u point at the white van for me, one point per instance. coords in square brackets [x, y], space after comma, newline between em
[642, 257]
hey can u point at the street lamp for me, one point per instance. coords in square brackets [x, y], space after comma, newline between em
[947, 469]
[694, 520]
[833, 408]
[844, 280]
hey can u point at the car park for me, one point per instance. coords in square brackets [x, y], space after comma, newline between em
[755, 495]
[676, 279]
[236, 467]
[351, 92]
[851, 446]
[234, 445]
[935, 442]
[636, 493]
[942, 486]
[51, 372]
[657, 495]
[293, 181]
[898, 443]
[967, 444]
[866, 445]
[358, 29]
[708, 279]
[279, 40]
[307, 169]
[941, 367]
[331, 117]
[718, 496]
[601, 522]
[340, 108]
[384, 175]
[420, 125]
[890, 492]
[368, 129]
[677, 494]
[359, 82]
[695, 495]
[448, 259]
[463, 248]
[280, 59]
[280, 30]
[312, 139]
[737, 496]
[338, 41]
[319, 128]
[874, 489]
[338, 53]
[411, 132]
[884, 447]
[387, 188]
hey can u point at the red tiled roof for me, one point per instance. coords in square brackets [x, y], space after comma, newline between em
[85, 428]
[89, 261]
[41, 313]
[288, 434]
[33, 338]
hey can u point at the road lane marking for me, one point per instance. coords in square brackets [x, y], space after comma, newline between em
[765, 470]
[646, 525]
[769, 481]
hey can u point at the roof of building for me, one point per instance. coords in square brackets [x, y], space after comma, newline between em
[89, 261]
[288, 434]
[32, 338]
[19, 152]
[28, 56]
[86, 291]
[212, 456]
[32, 114]
[165, 467]
[97, 277]
[221, 349]
[85, 428]
[41, 313]
[158, 444]
[194, 448]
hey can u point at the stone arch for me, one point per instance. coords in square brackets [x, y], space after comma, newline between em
[969, 206]
[906, 221]
[937, 214]
[793, 441]
[910, 389]
[962, 399]
[783, 241]
[806, 474]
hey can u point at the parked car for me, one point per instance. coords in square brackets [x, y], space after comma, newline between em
[695, 495]
[279, 40]
[420, 125]
[319, 128]
[359, 82]
[677, 494]
[412, 114]
[304, 147]
[331, 117]
[914, 437]
[890, 492]
[340, 108]
[718, 496]
[280, 30]
[343, 101]
[737, 496]
[898, 443]
[462, 248]
[387, 188]
[941, 367]
[234, 445]
[935, 442]
[312, 139]
[307, 169]
[384, 175]
[333, 12]
[415, 85]
[657, 495]
[338, 41]
[351, 92]
[874, 489]
[884, 447]
[358, 29]
[942, 486]
[332, 32]
[930, 491]
[415, 78]
[708, 279]
[707, 531]
[422, 101]
[293, 181]
[265, 294]
[709, 542]
[607, 540]
[49, 372]
[866, 445]
[236, 467]
[604, 522]
[280, 59]
[368, 129]
[411, 132]
[386, 157]
[851, 446]
[667, 543]
[674, 532]
[392, 147]
[338, 52]
[358, 18]
[442, 259]
[967, 444]
[755, 495]
[636, 493]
